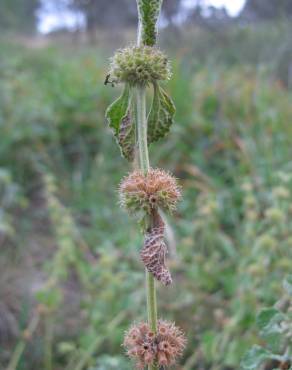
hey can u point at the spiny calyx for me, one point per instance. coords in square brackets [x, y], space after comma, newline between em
[147, 348]
[156, 189]
[139, 65]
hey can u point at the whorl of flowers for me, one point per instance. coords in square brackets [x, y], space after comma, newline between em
[139, 65]
[162, 348]
[147, 192]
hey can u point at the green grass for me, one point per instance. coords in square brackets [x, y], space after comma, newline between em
[230, 147]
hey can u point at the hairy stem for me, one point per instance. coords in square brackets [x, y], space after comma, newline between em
[20, 347]
[142, 129]
[144, 165]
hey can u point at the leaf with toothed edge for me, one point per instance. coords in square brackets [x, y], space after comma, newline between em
[120, 119]
[126, 137]
[118, 110]
[161, 114]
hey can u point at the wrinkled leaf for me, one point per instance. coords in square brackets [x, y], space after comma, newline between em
[161, 115]
[269, 321]
[126, 138]
[118, 110]
[257, 356]
[121, 120]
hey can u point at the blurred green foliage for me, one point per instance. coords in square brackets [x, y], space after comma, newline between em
[230, 146]
[275, 328]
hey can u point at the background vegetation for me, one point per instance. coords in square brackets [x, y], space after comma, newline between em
[70, 278]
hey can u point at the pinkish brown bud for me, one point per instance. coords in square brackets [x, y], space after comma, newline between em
[162, 359]
[162, 348]
[147, 192]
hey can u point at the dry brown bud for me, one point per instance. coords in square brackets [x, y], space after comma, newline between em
[147, 192]
[147, 348]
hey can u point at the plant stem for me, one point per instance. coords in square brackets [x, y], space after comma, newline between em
[144, 165]
[20, 347]
[142, 129]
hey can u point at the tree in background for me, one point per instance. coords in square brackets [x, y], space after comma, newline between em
[170, 10]
[18, 15]
[104, 13]
[267, 10]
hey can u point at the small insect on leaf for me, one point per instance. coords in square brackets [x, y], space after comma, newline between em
[108, 81]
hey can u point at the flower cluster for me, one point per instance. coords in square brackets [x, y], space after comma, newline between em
[147, 348]
[139, 65]
[147, 192]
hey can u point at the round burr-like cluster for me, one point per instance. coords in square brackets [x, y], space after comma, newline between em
[148, 192]
[147, 348]
[139, 65]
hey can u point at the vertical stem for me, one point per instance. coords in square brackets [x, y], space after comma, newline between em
[144, 165]
[142, 129]
[20, 347]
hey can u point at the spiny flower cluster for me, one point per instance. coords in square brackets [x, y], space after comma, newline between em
[147, 192]
[147, 348]
[139, 65]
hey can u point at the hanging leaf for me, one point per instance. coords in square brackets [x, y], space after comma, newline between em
[118, 110]
[126, 137]
[120, 118]
[161, 114]
[153, 116]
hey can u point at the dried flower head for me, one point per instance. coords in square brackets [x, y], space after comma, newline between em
[139, 65]
[162, 348]
[147, 192]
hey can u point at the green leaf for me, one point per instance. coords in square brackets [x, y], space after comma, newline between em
[126, 138]
[255, 357]
[148, 16]
[120, 118]
[117, 110]
[161, 115]
[287, 284]
[269, 321]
